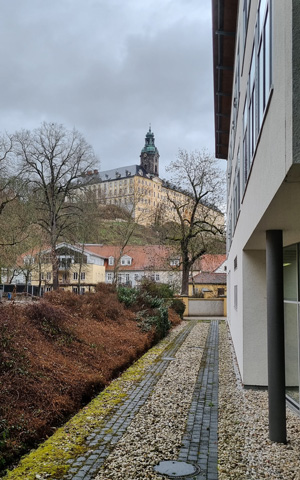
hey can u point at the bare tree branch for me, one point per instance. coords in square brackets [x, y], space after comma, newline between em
[198, 215]
[53, 158]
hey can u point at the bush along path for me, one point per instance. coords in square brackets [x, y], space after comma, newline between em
[58, 353]
[78, 449]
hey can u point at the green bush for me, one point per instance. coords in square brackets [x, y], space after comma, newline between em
[127, 295]
[152, 309]
[160, 290]
[178, 305]
[159, 320]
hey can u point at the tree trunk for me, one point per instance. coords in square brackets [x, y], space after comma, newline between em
[185, 279]
[54, 260]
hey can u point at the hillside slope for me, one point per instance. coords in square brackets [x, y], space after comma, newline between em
[55, 355]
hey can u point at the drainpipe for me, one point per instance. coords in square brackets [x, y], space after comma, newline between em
[275, 330]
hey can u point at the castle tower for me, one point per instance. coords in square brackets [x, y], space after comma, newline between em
[149, 155]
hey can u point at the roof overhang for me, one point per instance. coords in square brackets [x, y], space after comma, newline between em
[224, 19]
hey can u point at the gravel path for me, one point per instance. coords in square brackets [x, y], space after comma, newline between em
[159, 424]
[156, 432]
[245, 451]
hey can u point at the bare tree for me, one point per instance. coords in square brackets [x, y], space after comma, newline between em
[13, 187]
[197, 198]
[53, 158]
[8, 172]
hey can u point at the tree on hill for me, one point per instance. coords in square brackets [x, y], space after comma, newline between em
[52, 159]
[199, 224]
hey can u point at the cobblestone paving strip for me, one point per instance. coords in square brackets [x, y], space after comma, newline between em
[101, 441]
[200, 441]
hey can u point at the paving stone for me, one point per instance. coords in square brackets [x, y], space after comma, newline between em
[201, 426]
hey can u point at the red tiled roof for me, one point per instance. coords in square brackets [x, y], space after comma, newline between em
[209, 262]
[210, 278]
[151, 257]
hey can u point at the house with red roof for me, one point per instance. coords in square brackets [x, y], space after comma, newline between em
[130, 265]
[210, 281]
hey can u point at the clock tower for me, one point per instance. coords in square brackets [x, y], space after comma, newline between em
[149, 155]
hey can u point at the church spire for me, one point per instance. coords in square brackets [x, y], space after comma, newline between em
[149, 154]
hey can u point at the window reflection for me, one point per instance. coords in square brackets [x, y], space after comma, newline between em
[291, 351]
[291, 321]
[290, 272]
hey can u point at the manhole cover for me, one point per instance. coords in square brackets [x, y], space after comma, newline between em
[174, 469]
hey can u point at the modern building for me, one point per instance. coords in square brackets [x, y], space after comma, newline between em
[257, 124]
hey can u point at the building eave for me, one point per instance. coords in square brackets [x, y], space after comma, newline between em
[224, 20]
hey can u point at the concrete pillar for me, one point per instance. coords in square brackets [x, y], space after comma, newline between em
[275, 330]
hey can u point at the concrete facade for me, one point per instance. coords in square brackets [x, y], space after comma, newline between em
[263, 154]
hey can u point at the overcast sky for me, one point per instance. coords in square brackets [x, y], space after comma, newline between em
[109, 68]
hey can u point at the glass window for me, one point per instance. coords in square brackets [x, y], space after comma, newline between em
[252, 105]
[245, 17]
[291, 350]
[259, 82]
[245, 143]
[267, 33]
[264, 57]
[235, 297]
[290, 273]
[260, 85]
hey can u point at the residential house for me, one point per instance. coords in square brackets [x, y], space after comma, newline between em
[257, 124]
[209, 276]
[79, 269]
[210, 262]
[132, 264]
[208, 285]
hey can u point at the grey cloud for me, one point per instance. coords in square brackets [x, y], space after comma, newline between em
[109, 68]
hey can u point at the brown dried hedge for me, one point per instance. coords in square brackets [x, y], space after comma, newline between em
[55, 355]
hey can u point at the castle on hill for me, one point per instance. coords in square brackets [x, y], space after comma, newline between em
[137, 188]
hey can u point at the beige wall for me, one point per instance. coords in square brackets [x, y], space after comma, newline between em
[146, 198]
[93, 274]
[197, 288]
